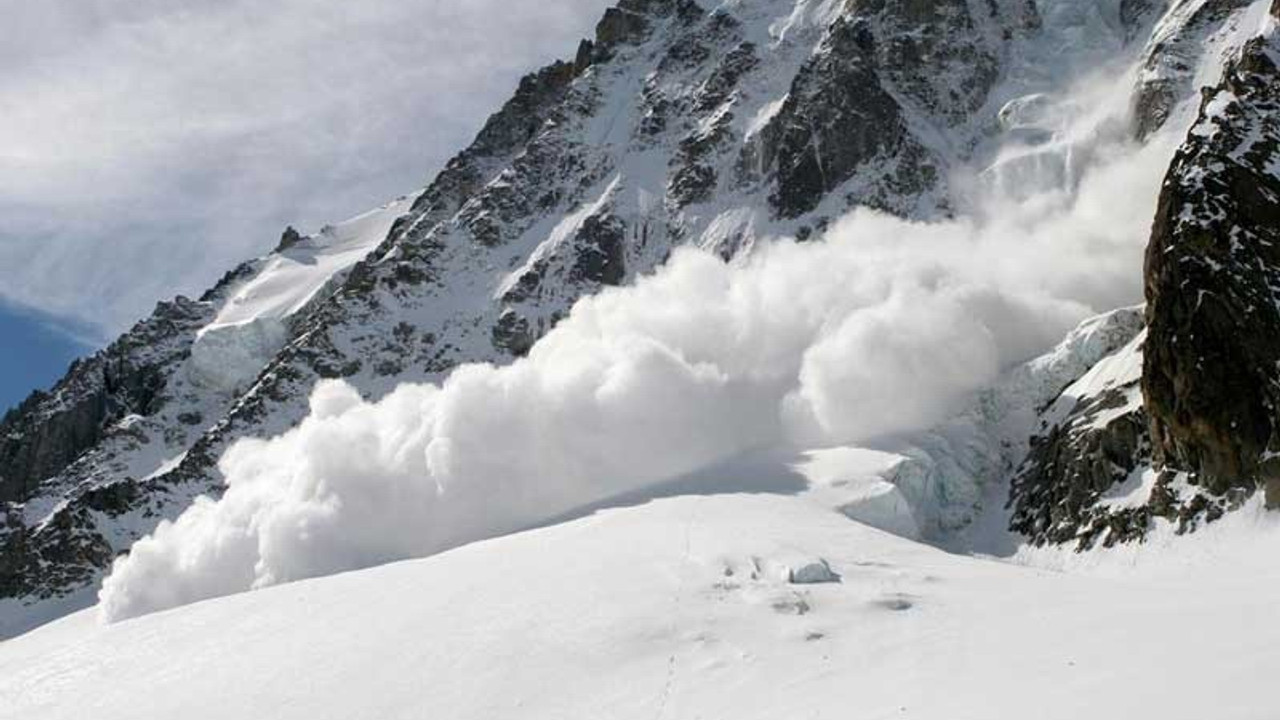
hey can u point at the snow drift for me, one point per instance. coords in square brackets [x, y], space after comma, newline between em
[884, 327]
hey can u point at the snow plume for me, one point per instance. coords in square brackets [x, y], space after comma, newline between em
[883, 327]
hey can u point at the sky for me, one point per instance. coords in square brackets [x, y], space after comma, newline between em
[147, 146]
[37, 351]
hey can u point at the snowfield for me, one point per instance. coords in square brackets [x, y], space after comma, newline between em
[251, 325]
[682, 608]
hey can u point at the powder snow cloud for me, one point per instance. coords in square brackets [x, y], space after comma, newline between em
[884, 327]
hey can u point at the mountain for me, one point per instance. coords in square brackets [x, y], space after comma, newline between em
[721, 128]
[1179, 426]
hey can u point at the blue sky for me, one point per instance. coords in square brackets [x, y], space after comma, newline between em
[33, 353]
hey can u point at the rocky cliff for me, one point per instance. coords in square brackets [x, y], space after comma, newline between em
[1211, 378]
[1180, 428]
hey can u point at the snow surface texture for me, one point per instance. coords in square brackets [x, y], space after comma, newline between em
[681, 608]
[250, 326]
[886, 327]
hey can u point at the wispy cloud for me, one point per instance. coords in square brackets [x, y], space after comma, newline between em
[145, 147]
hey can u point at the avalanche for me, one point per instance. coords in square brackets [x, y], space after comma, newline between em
[883, 328]
[872, 337]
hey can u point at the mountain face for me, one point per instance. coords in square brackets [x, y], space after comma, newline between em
[1210, 379]
[1179, 426]
[681, 125]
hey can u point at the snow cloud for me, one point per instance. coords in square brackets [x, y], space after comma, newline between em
[147, 147]
[883, 327]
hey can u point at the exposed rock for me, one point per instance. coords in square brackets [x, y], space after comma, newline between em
[845, 111]
[932, 53]
[512, 334]
[290, 238]
[836, 118]
[601, 256]
[1211, 381]
[48, 431]
[1093, 438]
[623, 24]
[694, 179]
[1172, 57]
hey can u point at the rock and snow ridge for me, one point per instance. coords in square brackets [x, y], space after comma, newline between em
[1181, 428]
[251, 325]
[129, 414]
[656, 134]
[676, 126]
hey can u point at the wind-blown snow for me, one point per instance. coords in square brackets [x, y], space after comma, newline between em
[884, 327]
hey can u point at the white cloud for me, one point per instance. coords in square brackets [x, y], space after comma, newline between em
[146, 147]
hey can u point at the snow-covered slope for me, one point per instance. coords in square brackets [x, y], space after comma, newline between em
[694, 607]
[251, 324]
[128, 415]
[639, 410]
[1005, 124]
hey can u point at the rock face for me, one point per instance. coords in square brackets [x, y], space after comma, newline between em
[1191, 29]
[1182, 426]
[836, 118]
[48, 431]
[1211, 377]
[1092, 439]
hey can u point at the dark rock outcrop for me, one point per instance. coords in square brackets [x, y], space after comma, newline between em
[288, 239]
[836, 118]
[1205, 433]
[1092, 439]
[851, 106]
[1171, 61]
[49, 430]
[1212, 371]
